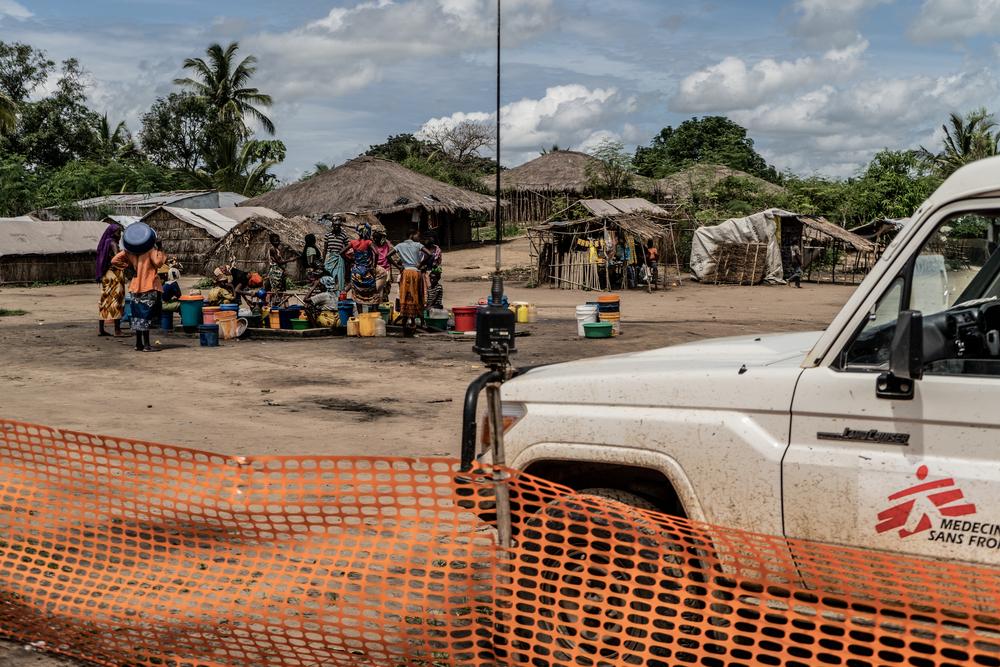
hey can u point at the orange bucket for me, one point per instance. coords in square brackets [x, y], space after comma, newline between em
[208, 314]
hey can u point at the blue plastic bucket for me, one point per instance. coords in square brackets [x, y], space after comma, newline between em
[235, 307]
[345, 309]
[167, 321]
[209, 335]
[138, 238]
[286, 315]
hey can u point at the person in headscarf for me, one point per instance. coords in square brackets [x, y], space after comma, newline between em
[334, 244]
[312, 259]
[430, 258]
[145, 287]
[367, 277]
[112, 280]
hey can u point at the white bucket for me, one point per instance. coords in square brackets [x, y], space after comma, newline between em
[584, 315]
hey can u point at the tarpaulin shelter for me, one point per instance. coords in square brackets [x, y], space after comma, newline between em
[759, 248]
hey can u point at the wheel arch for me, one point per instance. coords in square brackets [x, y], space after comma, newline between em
[646, 473]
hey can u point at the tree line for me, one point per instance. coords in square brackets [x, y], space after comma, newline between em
[213, 132]
[55, 149]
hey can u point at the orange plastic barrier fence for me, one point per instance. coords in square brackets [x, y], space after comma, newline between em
[124, 552]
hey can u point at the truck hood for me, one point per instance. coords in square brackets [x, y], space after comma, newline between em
[744, 372]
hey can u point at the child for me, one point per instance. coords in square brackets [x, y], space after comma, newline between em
[435, 293]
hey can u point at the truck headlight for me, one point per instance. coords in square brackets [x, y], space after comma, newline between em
[511, 413]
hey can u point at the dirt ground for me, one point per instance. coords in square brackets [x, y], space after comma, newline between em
[334, 396]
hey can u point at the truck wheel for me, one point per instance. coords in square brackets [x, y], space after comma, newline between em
[623, 497]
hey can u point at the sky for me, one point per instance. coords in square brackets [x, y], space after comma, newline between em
[821, 84]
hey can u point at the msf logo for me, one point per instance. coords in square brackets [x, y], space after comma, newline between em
[943, 494]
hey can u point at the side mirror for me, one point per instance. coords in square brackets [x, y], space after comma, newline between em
[906, 359]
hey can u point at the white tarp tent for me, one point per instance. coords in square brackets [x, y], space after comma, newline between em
[757, 228]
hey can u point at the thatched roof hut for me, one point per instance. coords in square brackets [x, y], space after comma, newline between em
[49, 251]
[397, 196]
[700, 179]
[539, 189]
[561, 251]
[246, 244]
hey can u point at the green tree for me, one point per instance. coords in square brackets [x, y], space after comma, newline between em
[114, 143]
[244, 166]
[612, 174]
[711, 139]
[22, 70]
[425, 158]
[8, 114]
[966, 139]
[18, 186]
[222, 83]
[60, 128]
[175, 131]
[893, 185]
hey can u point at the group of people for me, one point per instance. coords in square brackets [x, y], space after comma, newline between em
[360, 268]
[363, 268]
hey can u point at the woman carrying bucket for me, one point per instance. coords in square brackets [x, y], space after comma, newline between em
[143, 254]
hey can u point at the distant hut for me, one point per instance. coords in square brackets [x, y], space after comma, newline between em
[48, 251]
[570, 254]
[699, 180]
[398, 197]
[246, 244]
[540, 189]
[189, 234]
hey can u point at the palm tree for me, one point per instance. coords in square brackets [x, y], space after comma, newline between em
[8, 114]
[222, 83]
[966, 139]
[113, 143]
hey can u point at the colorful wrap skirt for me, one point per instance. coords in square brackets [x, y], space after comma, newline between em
[112, 305]
[144, 309]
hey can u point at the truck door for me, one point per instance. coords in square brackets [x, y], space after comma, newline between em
[920, 476]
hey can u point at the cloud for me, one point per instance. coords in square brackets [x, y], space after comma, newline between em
[349, 48]
[14, 10]
[734, 84]
[572, 116]
[834, 22]
[836, 129]
[943, 20]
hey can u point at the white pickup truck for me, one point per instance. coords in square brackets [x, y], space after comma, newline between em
[881, 432]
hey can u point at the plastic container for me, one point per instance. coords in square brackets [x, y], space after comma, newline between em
[138, 238]
[228, 325]
[585, 314]
[381, 328]
[286, 315]
[167, 321]
[352, 327]
[366, 324]
[465, 318]
[209, 335]
[532, 313]
[609, 307]
[345, 308]
[521, 310]
[274, 319]
[615, 320]
[208, 314]
[385, 310]
[234, 307]
[609, 298]
[191, 307]
[300, 324]
[597, 329]
[437, 323]
[253, 321]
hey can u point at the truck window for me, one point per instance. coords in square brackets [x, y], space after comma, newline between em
[954, 282]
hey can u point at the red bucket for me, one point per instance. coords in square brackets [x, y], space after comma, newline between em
[465, 318]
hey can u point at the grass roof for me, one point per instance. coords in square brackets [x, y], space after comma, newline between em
[370, 184]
